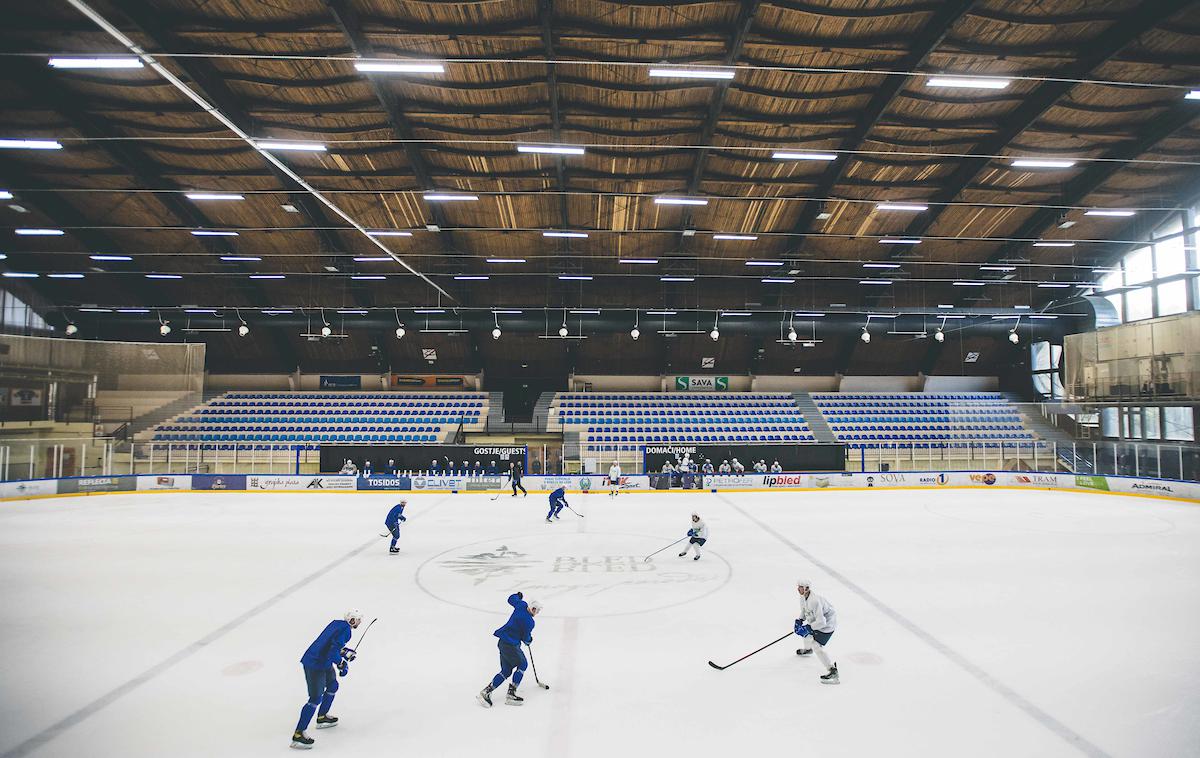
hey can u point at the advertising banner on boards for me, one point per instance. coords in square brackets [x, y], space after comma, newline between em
[218, 481]
[97, 484]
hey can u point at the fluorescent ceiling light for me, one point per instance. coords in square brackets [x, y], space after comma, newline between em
[428, 310]
[997, 268]
[777, 280]
[1040, 315]
[96, 310]
[1193, 95]
[646, 261]
[950, 316]
[1102, 212]
[471, 278]
[882, 282]
[213, 196]
[736, 313]
[448, 197]
[574, 278]
[133, 310]
[352, 312]
[677, 278]
[388, 233]
[65, 276]
[899, 241]
[19, 275]
[365, 277]
[199, 310]
[240, 258]
[505, 260]
[110, 257]
[311, 147]
[966, 82]
[163, 276]
[764, 263]
[660, 313]
[680, 201]
[901, 207]
[276, 312]
[6, 195]
[970, 284]
[804, 156]
[1054, 244]
[506, 313]
[1055, 285]
[692, 73]
[40, 232]
[585, 312]
[809, 315]
[212, 233]
[735, 237]
[267, 276]
[572, 235]
[1039, 163]
[29, 144]
[1021, 307]
[944, 305]
[371, 258]
[824, 216]
[398, 67]
[550, 149]
[881, 265]
[121, 62]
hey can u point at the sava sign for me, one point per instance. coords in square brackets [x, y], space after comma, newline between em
[701, 383]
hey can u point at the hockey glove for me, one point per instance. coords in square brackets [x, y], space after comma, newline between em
[344, 668]
[691, 532]
[403, 519]
[802, 628]
[348, 654]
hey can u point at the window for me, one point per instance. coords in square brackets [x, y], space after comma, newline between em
[18, 318]
[1172, 297]
[1108, 422]
[1139, 304]
[1177, 423]
[1150, 424]
[1139, 266]
[1171, 256]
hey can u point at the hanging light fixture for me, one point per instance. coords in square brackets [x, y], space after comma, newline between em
[715, 333]
[399, 324]
[865, 336]
[635, 332]
[496, 332]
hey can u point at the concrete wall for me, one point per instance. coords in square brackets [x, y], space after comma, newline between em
[961, 384]
[784, 383]
[880, 384]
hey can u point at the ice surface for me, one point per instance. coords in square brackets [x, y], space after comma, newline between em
[972, 623]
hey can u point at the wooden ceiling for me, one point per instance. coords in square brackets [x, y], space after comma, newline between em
[1098, 82]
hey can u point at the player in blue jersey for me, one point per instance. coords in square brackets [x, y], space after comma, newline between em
[518, 629]
[558, 501]
[392, 522]
[327, 651]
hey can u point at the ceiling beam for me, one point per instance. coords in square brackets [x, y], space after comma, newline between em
[1123, 32]
[546, 11]
[932, 33]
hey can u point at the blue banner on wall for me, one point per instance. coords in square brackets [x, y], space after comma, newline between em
[385, 483]
[218, 481]
[341, 382]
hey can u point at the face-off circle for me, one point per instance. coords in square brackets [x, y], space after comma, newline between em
[574, 575]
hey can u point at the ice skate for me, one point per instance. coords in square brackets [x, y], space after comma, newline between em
[696, 558]
[302, 741]
[803, 651]
[393, 550]
[831, 677]
[683, 554]
[485, 696]
[326, 721]
[513, 698]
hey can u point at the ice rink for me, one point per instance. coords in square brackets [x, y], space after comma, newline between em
[972, 623]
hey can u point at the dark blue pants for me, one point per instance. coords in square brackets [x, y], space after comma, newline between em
[395, 530]
[511, 657]
[322, 686]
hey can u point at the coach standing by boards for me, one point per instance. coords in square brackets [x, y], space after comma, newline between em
[515, 471]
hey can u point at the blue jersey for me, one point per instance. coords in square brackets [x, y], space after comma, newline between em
[326, 649]
[558, 494]
[519, 627]
[395, 515]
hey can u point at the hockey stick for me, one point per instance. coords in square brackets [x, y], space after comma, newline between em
[656, 552]
[534, 666]
[572, 510]
[747, 655]
[363, 636]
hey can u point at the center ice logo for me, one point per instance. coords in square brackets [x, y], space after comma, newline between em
[576, 575]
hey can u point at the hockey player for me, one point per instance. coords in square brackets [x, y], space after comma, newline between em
[760, 467]
[776, 468]
[518, 629]
[818, 620]
[738, 468]
[614, 479]
[724, 468]
[327, 650]
[698, 534]
[707, 468]
[514, 476]
[558, 501]
[392, 522]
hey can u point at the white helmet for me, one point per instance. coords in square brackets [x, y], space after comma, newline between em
[804, 583]
[353, 615]
[535, 605]
[696, 516]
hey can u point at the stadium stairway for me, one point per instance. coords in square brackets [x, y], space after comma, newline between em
[1034, 422]
[161, 414]
[816, 422]
[495, 417]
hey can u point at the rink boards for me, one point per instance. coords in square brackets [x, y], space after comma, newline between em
[1162, 488]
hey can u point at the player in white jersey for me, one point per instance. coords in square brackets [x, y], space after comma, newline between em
[698, 535]
[614, 479]
[818, 621]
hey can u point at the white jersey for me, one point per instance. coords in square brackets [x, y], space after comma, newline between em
[818, 613]
[614, 473]
[700, 529]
